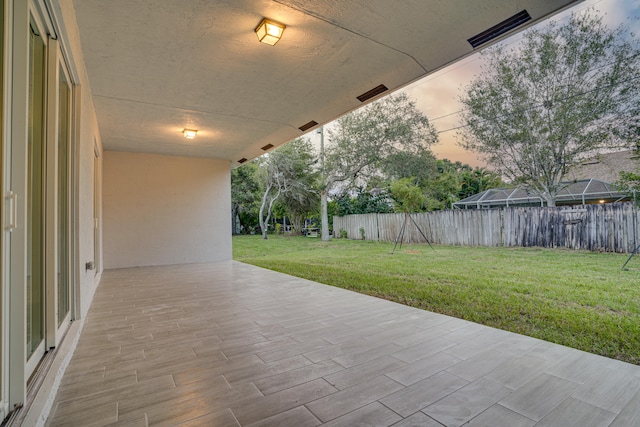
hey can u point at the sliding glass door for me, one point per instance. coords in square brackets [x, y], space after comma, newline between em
[48, 303]
[35, 200]
[37, 131]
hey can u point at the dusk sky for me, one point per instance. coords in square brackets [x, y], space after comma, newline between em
[437, 95]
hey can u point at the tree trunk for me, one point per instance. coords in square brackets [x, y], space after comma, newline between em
[325, 216]
[296, 224]
[263, 223]
[551, 200]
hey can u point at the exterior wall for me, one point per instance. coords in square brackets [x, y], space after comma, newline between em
[161, 210]
[88, 135]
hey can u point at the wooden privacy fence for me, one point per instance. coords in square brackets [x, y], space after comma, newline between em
[611, 227]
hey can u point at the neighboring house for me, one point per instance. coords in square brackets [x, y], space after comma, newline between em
[593, 181]
[586, 191]
[606, 167]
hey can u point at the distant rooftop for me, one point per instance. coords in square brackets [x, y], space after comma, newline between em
[606, 167]
[586, 191]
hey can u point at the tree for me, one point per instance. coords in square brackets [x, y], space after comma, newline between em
[303, 195]
[407, 195]
[364, 202]
[420, 165]
[284, 172]
[443, 190]
[629, 182]
[365, 138]
[476, 181]
[565, 93]
[245, 193]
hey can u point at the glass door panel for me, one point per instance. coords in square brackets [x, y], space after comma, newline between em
[35, 198]
[63, 196]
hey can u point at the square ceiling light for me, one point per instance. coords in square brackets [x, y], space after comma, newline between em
[269, 32]
[189, 133]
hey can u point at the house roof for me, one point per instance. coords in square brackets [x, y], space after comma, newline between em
[583, 191]
[156, 68]
[606, 167]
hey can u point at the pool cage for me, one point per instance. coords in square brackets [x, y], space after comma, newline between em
[581, 192]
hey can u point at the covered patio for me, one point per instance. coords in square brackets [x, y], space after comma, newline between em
[121, 123]
[229, 344]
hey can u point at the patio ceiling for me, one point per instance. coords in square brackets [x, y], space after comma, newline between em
[158, 67]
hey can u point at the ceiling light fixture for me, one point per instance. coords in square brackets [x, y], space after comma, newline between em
[269, 32]
[189, 133]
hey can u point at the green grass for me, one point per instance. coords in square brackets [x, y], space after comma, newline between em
[575, 298]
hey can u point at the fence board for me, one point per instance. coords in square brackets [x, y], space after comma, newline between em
[611, 227]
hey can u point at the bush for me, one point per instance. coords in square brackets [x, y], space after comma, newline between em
[343, 234]
[362, 232]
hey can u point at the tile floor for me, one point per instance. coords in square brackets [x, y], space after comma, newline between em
[228, 344]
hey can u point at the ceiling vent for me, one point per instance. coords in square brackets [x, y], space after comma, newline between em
[373, 92]
[500, 29]
[266, 147]
[308, 126]
[242, 160]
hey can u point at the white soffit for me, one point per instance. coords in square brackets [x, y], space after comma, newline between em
[156, 67]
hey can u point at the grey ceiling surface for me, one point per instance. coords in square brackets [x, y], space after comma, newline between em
[156, 67]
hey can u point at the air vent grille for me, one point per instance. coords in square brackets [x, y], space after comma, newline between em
[242, 160]
[266, 147]
[308, 126]
[499, 29]
[373, 92]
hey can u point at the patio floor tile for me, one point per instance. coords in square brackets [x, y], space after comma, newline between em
[230, 344]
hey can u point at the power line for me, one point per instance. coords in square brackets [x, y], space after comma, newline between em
[522, 110]
[561, 99]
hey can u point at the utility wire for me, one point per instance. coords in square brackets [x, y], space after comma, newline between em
[522, 110]
[559, 88]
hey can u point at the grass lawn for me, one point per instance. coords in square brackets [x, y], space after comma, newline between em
[575, 298]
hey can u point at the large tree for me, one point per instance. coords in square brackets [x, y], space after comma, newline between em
[285, 171]
[245, 194]
[564, 93]
[420, 165]
[302, 197]
[362, 140]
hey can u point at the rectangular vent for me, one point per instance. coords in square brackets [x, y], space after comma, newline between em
[266, 147]
[500, 29]
[242, 160]
[373, 92]
[308, 126]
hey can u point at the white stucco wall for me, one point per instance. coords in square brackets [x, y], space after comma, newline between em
[89, 134]
[161, 210]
